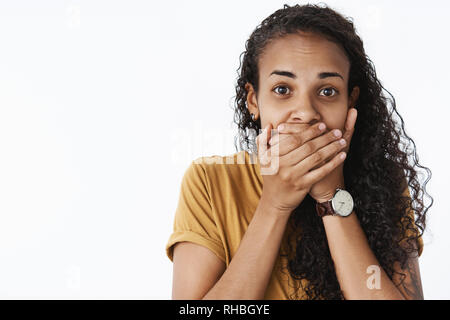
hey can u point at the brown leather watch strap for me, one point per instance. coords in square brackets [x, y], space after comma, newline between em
[324, 209]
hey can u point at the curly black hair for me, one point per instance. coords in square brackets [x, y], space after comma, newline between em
[376, 170]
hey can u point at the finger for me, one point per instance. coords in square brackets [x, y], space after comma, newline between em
[327, 159]
[298, 154]
[350, 127]
[307, 132]
[319, 153]
[276, 138]
[318, 174]
[262, 144]
[296, 127]
[330, 156]
[350, 123]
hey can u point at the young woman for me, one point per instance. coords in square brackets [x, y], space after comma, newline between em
[342, 227]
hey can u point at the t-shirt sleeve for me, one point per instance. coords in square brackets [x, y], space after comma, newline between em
[194, 220]
[414, 231]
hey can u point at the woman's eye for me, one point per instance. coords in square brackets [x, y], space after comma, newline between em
[329, 90]
[283, 90]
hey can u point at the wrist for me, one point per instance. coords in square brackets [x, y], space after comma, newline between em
[341, 204]
[328, 195]
[269, 208]
[323, 200]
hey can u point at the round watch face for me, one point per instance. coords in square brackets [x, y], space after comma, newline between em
[342, 203]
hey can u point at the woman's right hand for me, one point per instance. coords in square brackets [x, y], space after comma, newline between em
[294, 162]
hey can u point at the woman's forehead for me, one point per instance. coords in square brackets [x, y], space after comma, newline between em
[305, 54]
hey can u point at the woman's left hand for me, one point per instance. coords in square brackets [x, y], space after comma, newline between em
[324, 189]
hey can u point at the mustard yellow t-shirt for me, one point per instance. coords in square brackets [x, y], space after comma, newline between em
[218, 197]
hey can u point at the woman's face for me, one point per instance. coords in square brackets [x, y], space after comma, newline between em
[302, 79]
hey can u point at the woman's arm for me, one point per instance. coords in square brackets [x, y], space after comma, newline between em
[353, 256]
[249, 271]
[195, 270]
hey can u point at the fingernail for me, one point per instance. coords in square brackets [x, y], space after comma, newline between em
[322, 126]
[337, 133]
[281, 127]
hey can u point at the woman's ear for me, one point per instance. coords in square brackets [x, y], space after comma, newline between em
[252, 104]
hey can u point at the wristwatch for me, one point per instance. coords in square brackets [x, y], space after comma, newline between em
[340, 205]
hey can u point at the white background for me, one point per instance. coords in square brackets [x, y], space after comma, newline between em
[103, 104]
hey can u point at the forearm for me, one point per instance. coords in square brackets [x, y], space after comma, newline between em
[249, 271]
[352, 256]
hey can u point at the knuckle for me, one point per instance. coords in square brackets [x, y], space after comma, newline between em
[299, 139]
[337, 146]
[331, 135]
[291, 139]
[317, 157]
[294, 140]
[296, 186]
[290, 142]
[299, 185]
[284, 176]
[308, 147]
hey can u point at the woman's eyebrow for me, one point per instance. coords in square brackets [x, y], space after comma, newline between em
[321, 75]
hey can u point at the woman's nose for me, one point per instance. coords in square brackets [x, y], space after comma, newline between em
[304, 113]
